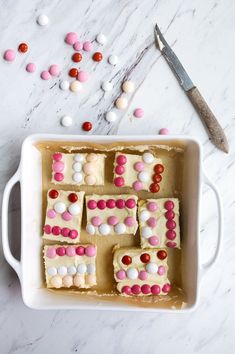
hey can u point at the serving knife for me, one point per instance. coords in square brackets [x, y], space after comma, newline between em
[214, 129]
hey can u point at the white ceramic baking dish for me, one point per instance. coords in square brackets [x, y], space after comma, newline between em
[28, 268]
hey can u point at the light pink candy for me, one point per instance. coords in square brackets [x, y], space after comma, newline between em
[161, 270]
[71, 38]
[121, 274]
[138, 112]
[139, 166]
[152, 206]
[153, 240]
[51, 213]
[129, 221]
[137, 185]
[143, 275]
[112, 220]
[82, 76]
[70, 251]
[45, 75]
[54, 70]
[77, 46]
[96, 221]
[164, 131]
[30, 67]
[58, 166]
[152, 222]
[90, 251]
[66, 216]
[87, 46]
[51, 252]
[9, 55]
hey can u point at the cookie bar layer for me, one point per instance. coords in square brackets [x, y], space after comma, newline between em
[159, 223]
[70, 266]
[141, 272]
[63, 216]
[141, 172]
[111, 214]
[79, 169]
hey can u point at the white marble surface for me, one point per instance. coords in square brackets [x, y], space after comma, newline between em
[202, 33]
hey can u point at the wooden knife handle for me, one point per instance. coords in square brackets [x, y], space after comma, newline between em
[215, 130]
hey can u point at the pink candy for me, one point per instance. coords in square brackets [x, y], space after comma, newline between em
[121, 160]
[126, 290]
[73, 234]
[82, 76]
[56, 230]
[54, 70]
[65, 231]
[130, 203]
[110, 203]
[171, 234]
[71, 38]
[47, 229]
[166, 288]
[153, 240]
[161, 270]
[91, 204]
[119, 181]
[61, 251]
[58, 166]
[138, 186]
[96, 221]
[51, 252]
[51, 214]
[138, 112]
[58, 177]
[146, 289]
[70, 251]
[80, 250]
[120, 203]
[171, 244]
[112, 220]
[57, 156]
[87, 46]
[135, 289]
[121, 274]
[155, 289]
[9, 55]
[67, 216]
[164, 131]
[170, 214]
[169, 205]
[101, 204]
[152, 222]
[171, 224]
[143, 275]
[139, 166]
[129, 221]
[119, 169]
[77, 46]
[45, 75]
[90, 251]
[152, 206]
[30, 67]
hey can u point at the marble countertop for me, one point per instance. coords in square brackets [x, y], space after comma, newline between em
[201, 34]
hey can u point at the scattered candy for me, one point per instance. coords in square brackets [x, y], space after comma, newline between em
[64, 85]
[121, 103]
[87, 126]
[77, 57]
[73, 72]
[71, 38]
[66, 121]
[113, 59]
[82, 76]
[30, 67]
[97, 56]
[110, 116]
[42, 20]
[54, 70]
[9, 55]
[101, 39]
[128, 86]
[77, 46]
[106, 86]
[75, 86]
[87, 46]
[138, 112]
[164, 131]
[45, 75]
[23, 48]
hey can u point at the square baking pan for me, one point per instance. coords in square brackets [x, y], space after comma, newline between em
[29, 268]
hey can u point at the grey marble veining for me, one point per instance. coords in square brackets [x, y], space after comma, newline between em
[201, 32]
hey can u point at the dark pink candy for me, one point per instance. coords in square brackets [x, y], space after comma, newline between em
[130, 203]
[120, 203]
[136, 289]
[101, 204]
[110, 203]
[58, 176]
[119, 169]
[47, 229]
[171, 244]
[171, 224]
[60, 251]
[169, 205]
[155, 289]
[91, 204]
[121, 159]
[126, 290]
[57, 156]
[166, 288]
[146, 289]
[73, 234]
[170, 214]
[65, 231]
[80, 250]
[171, 234]
[119, 181]
[56, 230]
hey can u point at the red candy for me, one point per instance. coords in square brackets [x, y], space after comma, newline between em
[101, 204]
[119, 169]
[159, 168]
[87, 126]
[53, 194]
[162, 254]
[121, 160]
[130, 203]
[126, 290]
[170, 214]
[60, 251]
[145, 257]
[97, 56]
[120, 203]
[169, 205]
[126, 260]
[154, 187]
[73, 234]
[56, 230]
[171, 224]
[146, 289]
[171, 234]
[23, 48]
[91, 204]
[166, 288]
[155, 289]
[73, 72]
[65, 231]
[157, 178]
[136, 289]
[80, 250]
[77, 57]
[119, 181]
[110, 203]
[57, 156]
[73, 197]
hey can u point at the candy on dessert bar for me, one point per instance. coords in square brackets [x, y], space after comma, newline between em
[141, 172]
[63, 216]
[159, 223]
[70, 266]
[111, 214]
[141, 272]
[79, 169]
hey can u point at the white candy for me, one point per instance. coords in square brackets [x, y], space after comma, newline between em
[143, 176]
[74, 209]
[90, 229]
[91, 268]
[51, 271]
[104, 229]
[101, 39]
[148, 157]
[128, 86]
[77, 167]
[144, 215]
[110, 116]
[75, 86]
[79, 158]
[62, 270]
[132, 273]
[146, 232]
[81, 268]
[42, 20]
[120, 228]
[106, 86]
[59, 207]
[113, 59]
[64, 85]
[77, 177]
[72, 270]
[151, 268]
[66, 121]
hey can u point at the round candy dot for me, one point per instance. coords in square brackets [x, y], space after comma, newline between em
[66, 216]
[97, 56]
[121, 274]
[128, 86]
[171, 234]
[146, 289]
[130, 203]
[45, 75]
[151, 268]
[171, 224]
[59, 207]
[110, 116]
[75, 86]
[154, 188]
[159, 168]
[143, 176]
[67, 281]
[113, 59]
[51, 252]
[91, 204]
[119, 169]
[51, 214]
[90, 180]
[64, 85]
[126, 290]
[170, 215]
[81, 268]
[139, 166]
[90, 229]
[152, 222]
[120, 228]
[77, 46]
[162, 254]
[80, 250]
[101, 204]
[146, 232]
[60, 251]
[23, 48]
[112, 220]
[145, 257]
[30, 67]
[106, 86]
[82, 76]
[73, 234]
[138, 112]
[144, 215]
[72, 270]
[120, 203]
[42, 20]
[143, 275]
[57, 156]
[127, 260]
[87, 46]
[51, 271]
[58, 166]
[96, 221]
[148, 157]
[78, 158]
[65, 231]
[121, 159]
[77, 57]
[91, 268]
[56, 281]
[70, 251]
[71, 38]
[9, 55]
[47, 229]
[132, 273]
[136, 289]
[88, 168]
[104, 229]
[153, 240]
[155, 289]
[161, 270]
[56, 230]
[119, 181]
[121, 103]
[157, 178]
[77, 177]
[152, 206]
[101, 39]
[92, 157]
[73, 72]
[87, 126]
[72, 197]
[66, 121]
[137, 185]
[77, 166]
[164, 131]
[79, 281]
[62, 270]
[171, 244]
[166, 288]
[129, 221]
[169, 205]
[91, 279]
[110, 203]
[90, 251]
[58, 177]
[54, 70]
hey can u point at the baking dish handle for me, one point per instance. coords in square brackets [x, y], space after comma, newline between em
[205, 266]
[5, 240]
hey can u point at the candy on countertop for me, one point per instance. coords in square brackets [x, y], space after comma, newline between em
[77, 46]
[138, 112]
[64, 85]
[113, 59]
[110, 116]
[87, 46]
[164, 131]
[82, 76]
[30, 67]
[75, 86]
[71, 38]
[101, 38]
[128, 86]
[97, 56]
[9, 55]
[23, 48]
[54, 70]
[73, 72]
[107, 86]
[66, 121]
[77, 57]
[121, 102]
[42, 20]
[45, 75]
[87, 126]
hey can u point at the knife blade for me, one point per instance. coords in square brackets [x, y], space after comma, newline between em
[212, 125]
